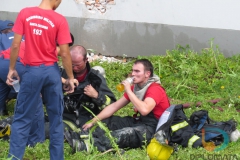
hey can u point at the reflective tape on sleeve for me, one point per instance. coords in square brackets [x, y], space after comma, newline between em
[192, 140]
[107, 102]
[179, 126]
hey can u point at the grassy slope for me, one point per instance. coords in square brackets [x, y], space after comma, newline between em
[187, 77]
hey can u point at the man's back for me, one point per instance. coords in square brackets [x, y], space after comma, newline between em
[42, 29]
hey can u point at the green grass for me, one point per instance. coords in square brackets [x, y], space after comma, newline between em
[187, 76]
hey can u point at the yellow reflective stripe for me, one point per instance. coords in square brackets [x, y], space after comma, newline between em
[107, 102]
[72, 126]
[192, 140]
[179, 125]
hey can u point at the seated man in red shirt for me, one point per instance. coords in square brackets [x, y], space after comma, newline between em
[149, 100]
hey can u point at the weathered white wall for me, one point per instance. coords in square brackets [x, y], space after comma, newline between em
[147, 27]
[222, 14]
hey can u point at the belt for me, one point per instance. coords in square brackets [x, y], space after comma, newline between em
[42, 65]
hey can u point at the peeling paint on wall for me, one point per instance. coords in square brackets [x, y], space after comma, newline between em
[96, 5]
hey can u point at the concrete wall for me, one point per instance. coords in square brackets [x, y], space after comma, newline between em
[147, 27]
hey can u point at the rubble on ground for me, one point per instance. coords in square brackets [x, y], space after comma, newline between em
[92, 57]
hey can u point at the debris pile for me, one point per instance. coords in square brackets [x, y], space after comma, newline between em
[96, 5]
[92, 57]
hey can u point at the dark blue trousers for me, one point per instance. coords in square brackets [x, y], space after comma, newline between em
[4, 88]
[47, 81]
[37, 133]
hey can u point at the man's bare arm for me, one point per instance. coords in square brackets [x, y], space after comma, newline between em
[13, 58]
[14, 50]
[67, 64]
[143, 106]
[107, 112]
[66, 60]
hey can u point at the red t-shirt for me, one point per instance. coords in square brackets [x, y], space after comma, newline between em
[82, 77]
[156, 92]
[42, 29]
[6, 53]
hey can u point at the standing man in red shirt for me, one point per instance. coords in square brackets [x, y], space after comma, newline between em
[42, 28]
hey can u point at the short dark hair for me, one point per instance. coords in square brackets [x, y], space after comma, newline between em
[147, 65]
[72, 37]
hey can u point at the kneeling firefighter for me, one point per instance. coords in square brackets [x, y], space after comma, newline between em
[75, 114]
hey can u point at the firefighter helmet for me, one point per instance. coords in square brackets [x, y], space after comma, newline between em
[157, 151]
